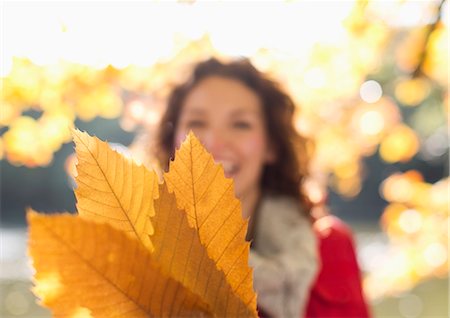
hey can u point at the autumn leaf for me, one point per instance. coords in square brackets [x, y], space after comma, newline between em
[179, 251]
[132, 252]
[202, 190]
[88, 267]
[113, 189]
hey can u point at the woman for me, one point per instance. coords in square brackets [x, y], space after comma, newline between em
[245, 121]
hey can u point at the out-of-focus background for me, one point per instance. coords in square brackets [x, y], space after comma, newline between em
[370, 79]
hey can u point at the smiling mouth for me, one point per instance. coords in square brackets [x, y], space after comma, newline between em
[230, 169]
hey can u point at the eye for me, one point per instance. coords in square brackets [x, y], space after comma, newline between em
[195, 123]
[242, 124]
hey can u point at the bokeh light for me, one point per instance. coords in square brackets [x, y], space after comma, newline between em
[370, 91]
[416, 220]
[400, 145]
[411, 92]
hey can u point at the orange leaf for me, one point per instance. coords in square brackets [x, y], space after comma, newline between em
[87, 267]
[183, 257]
[196, 262]
[113, 189]
[202, 190]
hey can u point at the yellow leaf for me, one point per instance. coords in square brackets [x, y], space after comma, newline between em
[183, 257]
[113, 189]
[189, 263]
[84, 267]
[202, 190]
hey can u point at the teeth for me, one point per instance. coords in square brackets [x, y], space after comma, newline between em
[228, 167]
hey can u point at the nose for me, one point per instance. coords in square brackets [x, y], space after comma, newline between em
[217, 142]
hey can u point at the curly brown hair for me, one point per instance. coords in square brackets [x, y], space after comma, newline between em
[286, 174]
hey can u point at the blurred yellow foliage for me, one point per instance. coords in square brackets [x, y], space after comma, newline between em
[416, 221]
[8, 114]
[23, 144]
[371, 122]
[436, 62]
[33, 142]
[101, 100]
[411, 92]
[400, 145]
[409, 52]
[23, 85]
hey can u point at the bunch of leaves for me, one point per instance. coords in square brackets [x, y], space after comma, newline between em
[140, 248]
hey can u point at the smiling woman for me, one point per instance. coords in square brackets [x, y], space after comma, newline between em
[245, 121]
[227, 117]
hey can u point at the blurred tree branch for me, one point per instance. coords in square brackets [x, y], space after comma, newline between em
[430, 29]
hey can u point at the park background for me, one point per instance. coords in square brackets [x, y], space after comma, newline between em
[370, 79]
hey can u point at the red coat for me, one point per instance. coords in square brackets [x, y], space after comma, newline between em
[337, 291]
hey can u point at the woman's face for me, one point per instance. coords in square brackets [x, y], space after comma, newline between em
[228, 119]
